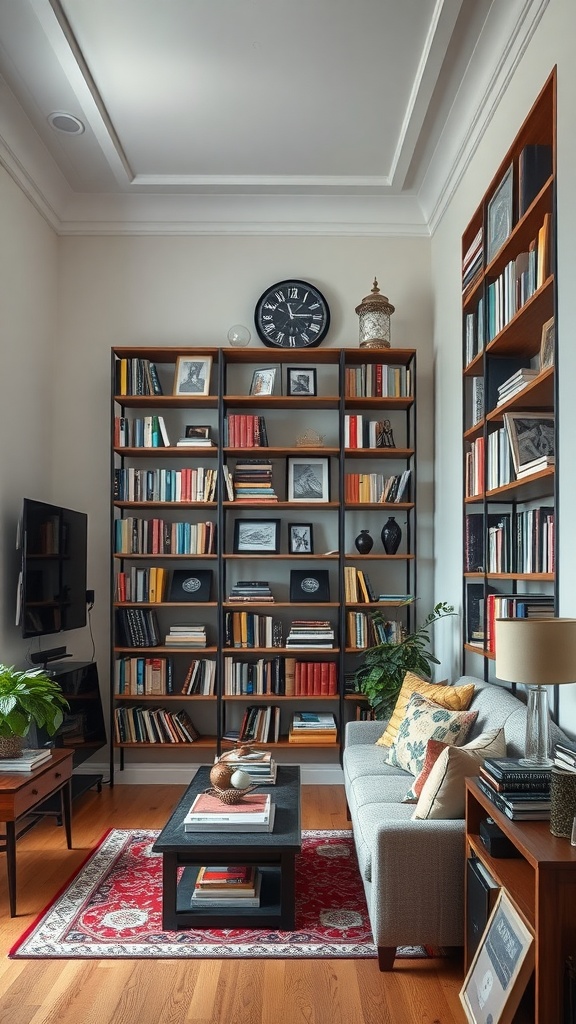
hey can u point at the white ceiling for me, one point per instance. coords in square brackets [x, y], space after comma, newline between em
[207, 111]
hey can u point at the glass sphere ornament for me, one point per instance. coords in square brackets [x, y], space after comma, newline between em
[374, 313]
[239, 336]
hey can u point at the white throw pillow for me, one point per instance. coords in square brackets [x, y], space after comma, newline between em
[443, 793]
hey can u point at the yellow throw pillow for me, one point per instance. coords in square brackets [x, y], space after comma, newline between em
[457, 698]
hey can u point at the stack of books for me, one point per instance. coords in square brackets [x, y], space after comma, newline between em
[564, 757]
[517, 382]
[29, 760]
[313, 728]
[535, 466]
[234, 886]
[521, 791]
[187, 634]
[194, 442]
[254, 813]
[311, 634]
[252, 481]
[258, 764]
[251, 590]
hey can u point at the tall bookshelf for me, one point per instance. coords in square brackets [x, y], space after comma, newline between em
[325, 428]
[509, 334]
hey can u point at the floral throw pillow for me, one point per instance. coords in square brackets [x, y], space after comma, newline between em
[424, 720]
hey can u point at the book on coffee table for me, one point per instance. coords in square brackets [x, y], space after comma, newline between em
[229, 899]
[255, 813]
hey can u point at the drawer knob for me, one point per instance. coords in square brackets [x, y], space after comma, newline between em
[58, 775]
[34, 792]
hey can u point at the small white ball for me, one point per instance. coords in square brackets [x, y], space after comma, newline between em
[240, 780]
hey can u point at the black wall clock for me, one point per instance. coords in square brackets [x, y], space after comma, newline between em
[292, 314]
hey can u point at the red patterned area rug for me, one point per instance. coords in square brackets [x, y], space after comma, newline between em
[112, 907]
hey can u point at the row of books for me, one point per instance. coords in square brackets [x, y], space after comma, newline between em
[142, 584]
[229, 887]
[282, 676]
[250, 629]
[521, 791]
[362, 433]
[482, 611]
[254, 813]
[364, 630]
[161, 485]
[139, 724]
[358, 588]
[141, 432]
[135, 677]
[518, 281]
[137, 627]
[375, 487]
[472, 260]
[516, 383]
[518, 542]
[260, 724]
[134, 535]
[377, 380]
[244, 430]
[136, 377]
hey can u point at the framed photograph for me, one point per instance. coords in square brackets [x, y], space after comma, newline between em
[190, 585]
[308, 479]
[263, 381]
[547, 344]
[256, 536]
[192, 376]
[201, 433]
[499, 216]
[531, 436]
[309, 585]
[301, 381]
[501, 967]
[300, 538]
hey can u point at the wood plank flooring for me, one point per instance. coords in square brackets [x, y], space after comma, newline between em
[194, 991]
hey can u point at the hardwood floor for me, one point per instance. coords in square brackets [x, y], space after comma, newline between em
[193, 991]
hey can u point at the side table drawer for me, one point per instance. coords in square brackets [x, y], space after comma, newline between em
[40, 787]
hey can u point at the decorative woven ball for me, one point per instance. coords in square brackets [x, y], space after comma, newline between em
[220, 775]
[240, 780]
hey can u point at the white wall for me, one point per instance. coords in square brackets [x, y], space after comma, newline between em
[552, 44]
[28, 297]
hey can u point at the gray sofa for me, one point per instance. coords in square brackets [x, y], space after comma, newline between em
[413, 871]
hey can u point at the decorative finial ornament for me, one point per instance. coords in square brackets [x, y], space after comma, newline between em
[374, 312]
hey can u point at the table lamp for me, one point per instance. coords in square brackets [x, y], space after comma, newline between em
[536, 653]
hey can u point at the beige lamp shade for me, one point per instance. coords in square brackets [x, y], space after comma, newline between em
[536, 652]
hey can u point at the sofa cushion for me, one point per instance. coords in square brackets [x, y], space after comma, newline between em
[444, 793]
[361, 760]
[455, 697]
[425, 720]
[433, 750]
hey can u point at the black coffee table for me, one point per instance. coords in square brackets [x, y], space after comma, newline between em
[273, 852]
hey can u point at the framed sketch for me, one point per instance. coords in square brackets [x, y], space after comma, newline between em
[501, 967]
[531, 437]
[499, 216]
[192, 375]
[308, 479]
[547, 344]
[300, 539]
[201, 433]
[263, 381]
[256, 536]
[301, 382]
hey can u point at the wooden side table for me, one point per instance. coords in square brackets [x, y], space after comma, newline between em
[20, 795]
[541, 882]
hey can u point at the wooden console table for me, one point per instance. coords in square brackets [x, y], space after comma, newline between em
[541, 882]
[20, 795]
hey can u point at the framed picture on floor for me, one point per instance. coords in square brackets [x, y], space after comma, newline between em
[308, 479]
[256, 536]
[502, 965]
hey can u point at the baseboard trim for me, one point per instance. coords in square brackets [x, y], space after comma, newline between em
[181, 775]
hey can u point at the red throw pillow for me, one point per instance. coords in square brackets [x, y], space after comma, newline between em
[433, 750]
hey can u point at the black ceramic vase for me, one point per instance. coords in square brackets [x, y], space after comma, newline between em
[364, 542]
[391, 536]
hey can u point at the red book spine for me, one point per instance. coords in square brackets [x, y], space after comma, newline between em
[332, 686]
[316, 679]
[324, 678]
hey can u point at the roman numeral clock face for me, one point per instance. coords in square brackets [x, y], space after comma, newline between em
[292, 314]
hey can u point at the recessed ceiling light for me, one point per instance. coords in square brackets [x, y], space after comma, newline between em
[66, 123]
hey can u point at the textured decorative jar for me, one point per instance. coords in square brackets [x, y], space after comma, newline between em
[391, 536]
[562, 802]
[11, 746]
[364, 542]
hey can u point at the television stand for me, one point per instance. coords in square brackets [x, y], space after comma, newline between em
[42, 658]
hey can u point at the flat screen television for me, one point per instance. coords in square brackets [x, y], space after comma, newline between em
[54, 568]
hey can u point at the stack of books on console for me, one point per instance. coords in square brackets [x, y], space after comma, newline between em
[522, 792]
[231, 887]
[564, 757]
[311, 634]
[29, 760]
[188, 634]
[251, 590]
[252, 481]
[259, 765]
[311, 728]
[254, 813]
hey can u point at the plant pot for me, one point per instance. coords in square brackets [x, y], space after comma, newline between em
[364, 542]
[391, 536]
[11, 746]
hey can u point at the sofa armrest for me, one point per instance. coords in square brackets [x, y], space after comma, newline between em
[363, 732]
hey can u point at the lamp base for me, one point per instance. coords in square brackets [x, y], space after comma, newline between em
[536, 762]
[537, 750]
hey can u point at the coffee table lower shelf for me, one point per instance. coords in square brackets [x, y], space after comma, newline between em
[267, 915]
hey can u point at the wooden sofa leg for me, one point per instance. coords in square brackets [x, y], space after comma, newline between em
[386, 957]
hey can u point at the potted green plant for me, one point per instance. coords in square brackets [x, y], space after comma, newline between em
[384, 666]
[25, 697]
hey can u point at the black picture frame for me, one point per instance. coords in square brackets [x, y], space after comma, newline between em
[309, 585]
[499, 216]
[301, 381]
[301, 538]
[202, 432]
[308, 479]
[190, 585]
[257, 536]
